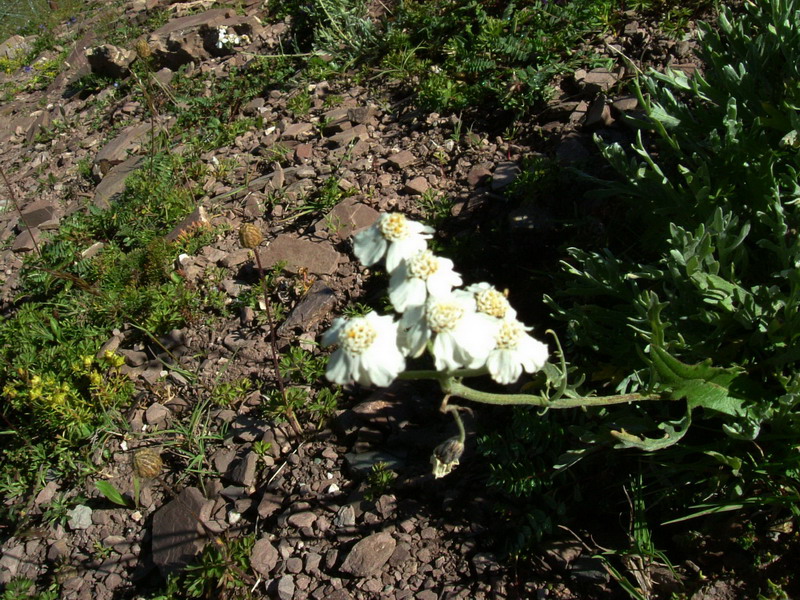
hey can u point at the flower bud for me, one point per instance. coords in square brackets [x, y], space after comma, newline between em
[143, 49]
[445, 456]
[147, 463]
[250, 236]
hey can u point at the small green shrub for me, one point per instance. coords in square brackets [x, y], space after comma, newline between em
[710, 187]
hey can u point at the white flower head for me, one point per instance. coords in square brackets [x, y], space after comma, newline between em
[462, 337]
[367, 351]
[420, 275]
[393, 236]
[515, 351]
[491, 301]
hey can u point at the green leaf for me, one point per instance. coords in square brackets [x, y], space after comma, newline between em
[673, 433]
[701, 384]
[111, 493]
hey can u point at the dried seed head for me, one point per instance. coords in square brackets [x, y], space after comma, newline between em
[250, 236]
[147, 463]
[445, 456]
[143, 49]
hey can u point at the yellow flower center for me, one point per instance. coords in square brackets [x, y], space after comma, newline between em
[357, 336]
[394, 227]
[492, 303]
[423, 265]
[444, 316]
[509, 335]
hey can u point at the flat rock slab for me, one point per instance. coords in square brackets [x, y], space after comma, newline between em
[315, 306]
[210, 18]
[39, 212]
[369, 555]
[347, 218]
[402, 159]
[504, 175]
[177, 534]
[318, 257]
[113, 183]
[116, 151]
[263, 557]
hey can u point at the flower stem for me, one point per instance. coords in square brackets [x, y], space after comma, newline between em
[452, 408]
[274, 347]
[456, 388]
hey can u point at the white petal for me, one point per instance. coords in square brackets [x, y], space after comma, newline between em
[382, 365]
[444, 280]
[369, 246]
[339, 368]
[503, 367]
[475, 336]
[532, 353]
[404, 249]
[444, 352]
[405, 292]
[417, 228]
[332, 335]
[414, 332]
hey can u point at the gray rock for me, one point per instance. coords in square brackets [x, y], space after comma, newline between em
[318, 302]
[109, 60]
[27, 240]
[360, 114]
[198, 218]
[113, 183]
[345, 516]
[263, 557]
[14, 46]
[294, 565]
[312, 561]
[177, 533]
[39, 212]
[485, 562]
[156, 414]
[416, 186]
[285, 587]
[248, 429]
[45, 496]
[348, 136]
[589, 570]
[402, 159]
[597, 80]
[244, 473]
[479, 174]
[116, 151]
[347, 218]
[184, 40]
[361, 463]
[504, 175]
[296, 130]
[270, 503]
[625, 104]
[223, 458]
[79, 517]
[571, 150]
[318, 257]
[302, 519]
[599, 113]
[369, 555]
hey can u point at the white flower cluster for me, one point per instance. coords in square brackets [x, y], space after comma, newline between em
[229, 40]
[471, 328]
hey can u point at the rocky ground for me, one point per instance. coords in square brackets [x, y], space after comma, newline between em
[323, 528]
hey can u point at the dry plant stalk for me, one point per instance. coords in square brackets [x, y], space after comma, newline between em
[251, 237]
